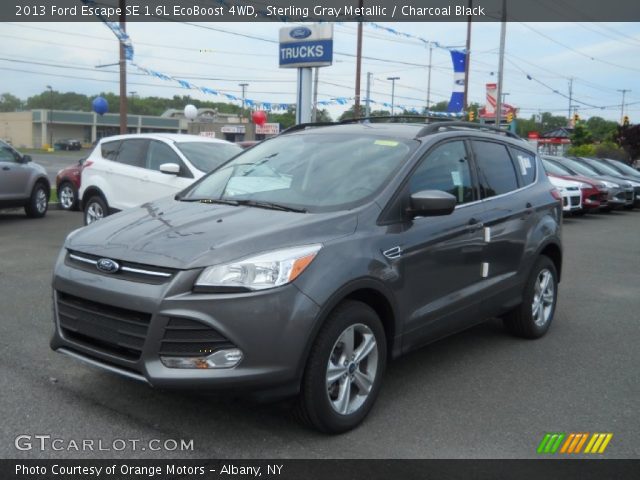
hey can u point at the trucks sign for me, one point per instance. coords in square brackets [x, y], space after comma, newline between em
[306, 46]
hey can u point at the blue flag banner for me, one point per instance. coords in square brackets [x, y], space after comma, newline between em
[459, 59]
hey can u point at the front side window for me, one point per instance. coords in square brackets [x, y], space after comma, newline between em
[313, 171]
[497, 174]
[159, 153]
[445, 168]
[133, 152]
[8, 154]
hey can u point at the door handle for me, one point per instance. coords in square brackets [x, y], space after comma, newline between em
[474, 224]
[6, 168]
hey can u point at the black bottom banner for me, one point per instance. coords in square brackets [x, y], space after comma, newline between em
[318, 469]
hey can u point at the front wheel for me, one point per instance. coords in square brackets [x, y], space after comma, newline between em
[533, 317]
[95, 209]
[344, 370]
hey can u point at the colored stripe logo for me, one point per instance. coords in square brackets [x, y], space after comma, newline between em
[572, 443]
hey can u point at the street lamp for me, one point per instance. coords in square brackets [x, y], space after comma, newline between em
[393, 92]
[50, 116]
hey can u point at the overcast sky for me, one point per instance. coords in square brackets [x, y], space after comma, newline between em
[601, 57]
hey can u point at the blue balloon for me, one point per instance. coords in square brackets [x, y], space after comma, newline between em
[100, 105]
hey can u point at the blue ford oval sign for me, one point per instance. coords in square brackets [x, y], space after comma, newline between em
[107, 265]
[300, 32]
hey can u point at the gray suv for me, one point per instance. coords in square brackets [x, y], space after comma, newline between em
[303, 265]
[22, 183]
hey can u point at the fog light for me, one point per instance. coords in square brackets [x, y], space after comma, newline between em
[220, 359]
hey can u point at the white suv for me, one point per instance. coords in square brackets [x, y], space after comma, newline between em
[125, 171]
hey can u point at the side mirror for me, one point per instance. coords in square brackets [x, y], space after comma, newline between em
[431, 203]
[26, 158]
[170, 168]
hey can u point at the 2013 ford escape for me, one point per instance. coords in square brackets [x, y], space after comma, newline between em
[303, 265]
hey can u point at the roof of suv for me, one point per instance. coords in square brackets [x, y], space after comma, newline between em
[173, 137]
[406, 130]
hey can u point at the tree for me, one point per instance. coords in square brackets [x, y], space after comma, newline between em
[348, 114]
[581, 135]
[628, 137]
[10, 103]
[587, 150]
[601, 129]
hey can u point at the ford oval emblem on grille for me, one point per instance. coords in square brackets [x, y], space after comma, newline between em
[107, 265]
[300, 32]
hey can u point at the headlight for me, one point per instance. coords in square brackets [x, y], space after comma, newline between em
[267, 270]
[585, 186]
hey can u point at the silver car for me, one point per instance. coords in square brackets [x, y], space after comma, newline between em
[22, 183]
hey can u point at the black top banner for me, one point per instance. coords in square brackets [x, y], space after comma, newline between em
[320, 10]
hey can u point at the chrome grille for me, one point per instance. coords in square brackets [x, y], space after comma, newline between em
[127, 270]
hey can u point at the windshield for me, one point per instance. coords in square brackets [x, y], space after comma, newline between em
[605, 169]
[580, 167]
[312, 172]
[554, 168]
[623, 168]
[207, 156]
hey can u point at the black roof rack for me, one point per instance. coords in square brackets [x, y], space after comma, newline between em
[437, 127]
[303, 126]
[394, 119]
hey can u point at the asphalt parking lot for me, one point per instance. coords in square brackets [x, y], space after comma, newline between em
[479, 394]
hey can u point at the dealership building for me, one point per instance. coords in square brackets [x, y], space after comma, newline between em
[41, 128]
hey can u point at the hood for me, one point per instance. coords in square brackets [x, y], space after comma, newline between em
[563, 182]
[174, 234]
[582, 179]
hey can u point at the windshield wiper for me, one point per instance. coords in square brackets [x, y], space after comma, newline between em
[270, 205]
[211, 200]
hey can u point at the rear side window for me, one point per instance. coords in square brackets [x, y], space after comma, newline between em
[496, 170]
[133, 152]
[109, 150]
[526, 164]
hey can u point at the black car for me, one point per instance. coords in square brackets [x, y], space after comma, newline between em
[306, 263]
[68, 144]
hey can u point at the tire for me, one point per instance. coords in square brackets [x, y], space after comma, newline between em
[95, 209]
[320, 405]
[68, 196]
[38, 201]
[533, 317]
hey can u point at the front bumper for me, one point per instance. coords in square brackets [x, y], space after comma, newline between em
[271, 328]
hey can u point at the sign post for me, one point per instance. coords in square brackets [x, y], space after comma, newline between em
[303, 48]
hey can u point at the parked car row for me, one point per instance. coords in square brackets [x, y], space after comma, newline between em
[603, 184]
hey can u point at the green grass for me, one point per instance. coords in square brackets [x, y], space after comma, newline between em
[54, 195]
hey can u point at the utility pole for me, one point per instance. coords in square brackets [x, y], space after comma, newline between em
[465, 101]
[624, 93]
[393, 92]
[569, 120]
[367, 108]
[244, 91]
[356, 106]
[123, 71]
[314, 111]
[429, 78]
[50, 115]
[503, 34]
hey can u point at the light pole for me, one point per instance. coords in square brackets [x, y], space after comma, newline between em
[624, 93]
[244, 87]
[50, 116]
[393, 92]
